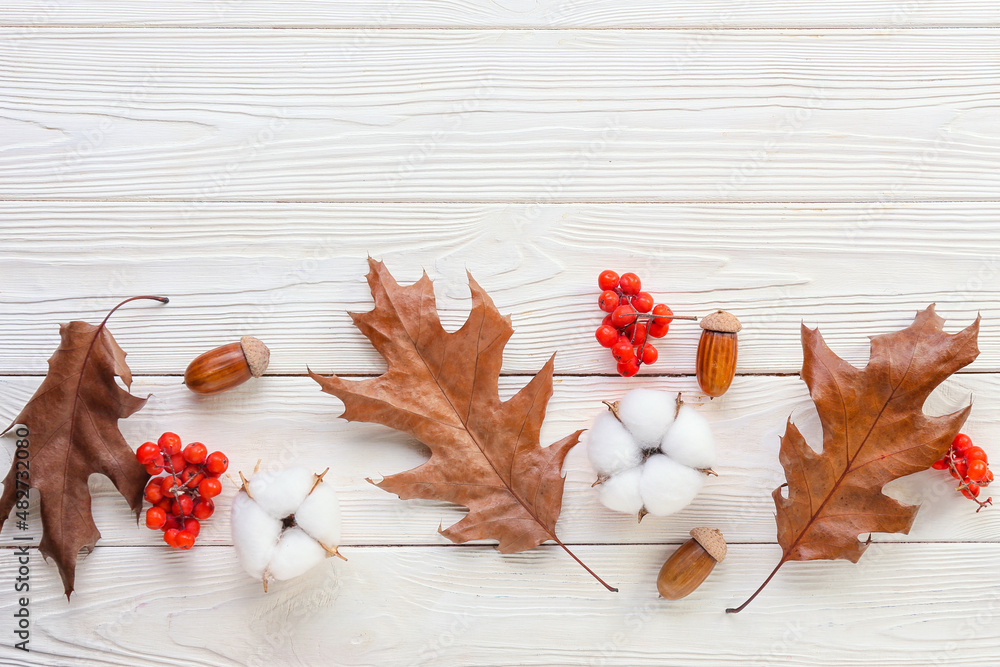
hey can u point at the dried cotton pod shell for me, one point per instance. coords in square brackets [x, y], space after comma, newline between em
[717, 349]
[691, 564]
[228, 366]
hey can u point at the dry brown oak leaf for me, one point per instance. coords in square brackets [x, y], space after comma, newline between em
[874, 431]
[441, 388]
[72, 422]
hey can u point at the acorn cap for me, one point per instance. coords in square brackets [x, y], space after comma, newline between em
[256, 353]
[711, 540]
[721, 321]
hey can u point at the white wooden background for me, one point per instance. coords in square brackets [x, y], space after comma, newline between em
[833, 163]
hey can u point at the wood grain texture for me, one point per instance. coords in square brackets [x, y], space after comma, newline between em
[192, 149]
[384, 14]
[288, 274]
[533, 116]
[907, 604]
[287, 421]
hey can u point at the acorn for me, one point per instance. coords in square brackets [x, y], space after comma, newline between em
[716, 361]
[228, 366]
[691, 563]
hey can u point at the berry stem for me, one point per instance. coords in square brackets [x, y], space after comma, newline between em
[651, 316]
[177, 487]
[963, 484]
[642, 348]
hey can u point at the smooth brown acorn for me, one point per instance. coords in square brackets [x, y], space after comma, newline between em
[717, 348]
[691, 564]
[227, 366]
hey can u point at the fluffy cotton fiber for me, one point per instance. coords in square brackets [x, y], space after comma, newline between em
[285, 523]
[651, 453]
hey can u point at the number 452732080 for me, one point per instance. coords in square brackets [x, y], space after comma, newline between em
[23, 477]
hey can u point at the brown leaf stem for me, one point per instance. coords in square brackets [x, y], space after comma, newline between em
[441, 388]
[161, 299]
[874, 431]
[736, 610]
[582, 564]
[73, 421]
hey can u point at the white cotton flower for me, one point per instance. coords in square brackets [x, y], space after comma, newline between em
[621, 492]
[651, 453]
[319, 515]
[280, 493]
[647, 414]
[285, 523]
[610, 447]
[255, 534]
[666, 486]
[689, 440]
[295, 554]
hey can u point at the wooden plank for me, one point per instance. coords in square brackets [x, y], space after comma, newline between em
[524, 116]
[288, 421]
[382, 14]
[289, 272]
[908, 604]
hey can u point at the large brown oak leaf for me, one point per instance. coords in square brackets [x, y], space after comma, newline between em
[874, 431]
[72, 423]
[442, 389]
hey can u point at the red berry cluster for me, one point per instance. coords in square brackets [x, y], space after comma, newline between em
[632, 319]
[970, 466]
[183, 497]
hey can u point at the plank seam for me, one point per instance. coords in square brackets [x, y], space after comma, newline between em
[507, 375]
[157, 201]
[495, 28]
[680, 540]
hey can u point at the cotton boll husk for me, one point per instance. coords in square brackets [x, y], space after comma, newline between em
[667, 486]
[647, 414]
[610, 447]
[319, 515]
[255, 534]
[296, 554]
[689, 440]
[621, 492]
[280, 493]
